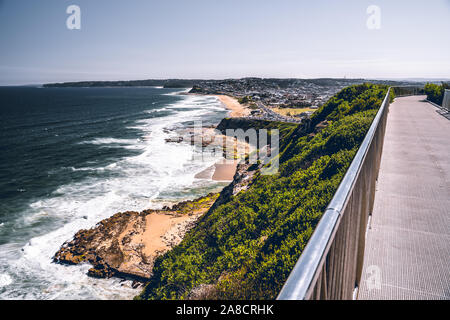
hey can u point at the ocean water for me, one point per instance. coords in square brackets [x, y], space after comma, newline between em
[70, 157]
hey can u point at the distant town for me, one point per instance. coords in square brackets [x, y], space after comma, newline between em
[287, 100]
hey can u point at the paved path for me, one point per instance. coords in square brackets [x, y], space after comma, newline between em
[407, 253]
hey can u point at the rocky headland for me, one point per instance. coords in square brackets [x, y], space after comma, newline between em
[127, 244]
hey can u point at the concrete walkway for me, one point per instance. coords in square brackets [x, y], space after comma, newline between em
[407, 253]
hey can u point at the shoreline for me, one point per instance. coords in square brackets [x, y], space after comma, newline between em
[126, 244]
[224, 170]
[236, 109]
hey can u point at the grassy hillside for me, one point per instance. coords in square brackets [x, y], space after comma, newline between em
[246, 248]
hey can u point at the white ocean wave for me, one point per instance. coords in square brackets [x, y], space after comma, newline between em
[5, 280]
[99, 141]
[161, 170]
[151, 111]
[176, 93]
[87, 169]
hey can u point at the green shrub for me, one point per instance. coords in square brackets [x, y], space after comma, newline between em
[435, 93]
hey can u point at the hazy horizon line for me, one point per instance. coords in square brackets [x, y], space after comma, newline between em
[413, 79]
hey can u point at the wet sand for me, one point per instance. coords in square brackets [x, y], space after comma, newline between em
[225, 170]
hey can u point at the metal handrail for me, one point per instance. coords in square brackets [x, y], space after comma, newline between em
[446, 100]
[313, 271]
[411, 90]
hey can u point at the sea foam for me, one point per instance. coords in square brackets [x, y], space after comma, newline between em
[161, 171]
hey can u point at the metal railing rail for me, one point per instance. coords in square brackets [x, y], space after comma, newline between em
[408, 90]
[330, 266]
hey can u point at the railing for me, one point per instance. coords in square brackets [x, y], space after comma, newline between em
[330, 266]
[446, 100]
[403, 91]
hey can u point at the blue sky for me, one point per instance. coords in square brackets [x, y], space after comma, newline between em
[142, 39]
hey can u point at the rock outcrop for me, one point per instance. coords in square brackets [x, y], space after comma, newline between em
[241, 181]
[127, 244]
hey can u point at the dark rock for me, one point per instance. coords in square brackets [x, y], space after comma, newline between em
[136, 284]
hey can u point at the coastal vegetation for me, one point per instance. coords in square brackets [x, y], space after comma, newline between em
[435, 93]
[285, 129]
[245, 99]
[246, 247]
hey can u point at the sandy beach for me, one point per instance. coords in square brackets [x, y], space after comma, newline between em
[236, 109]
[225, 170]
